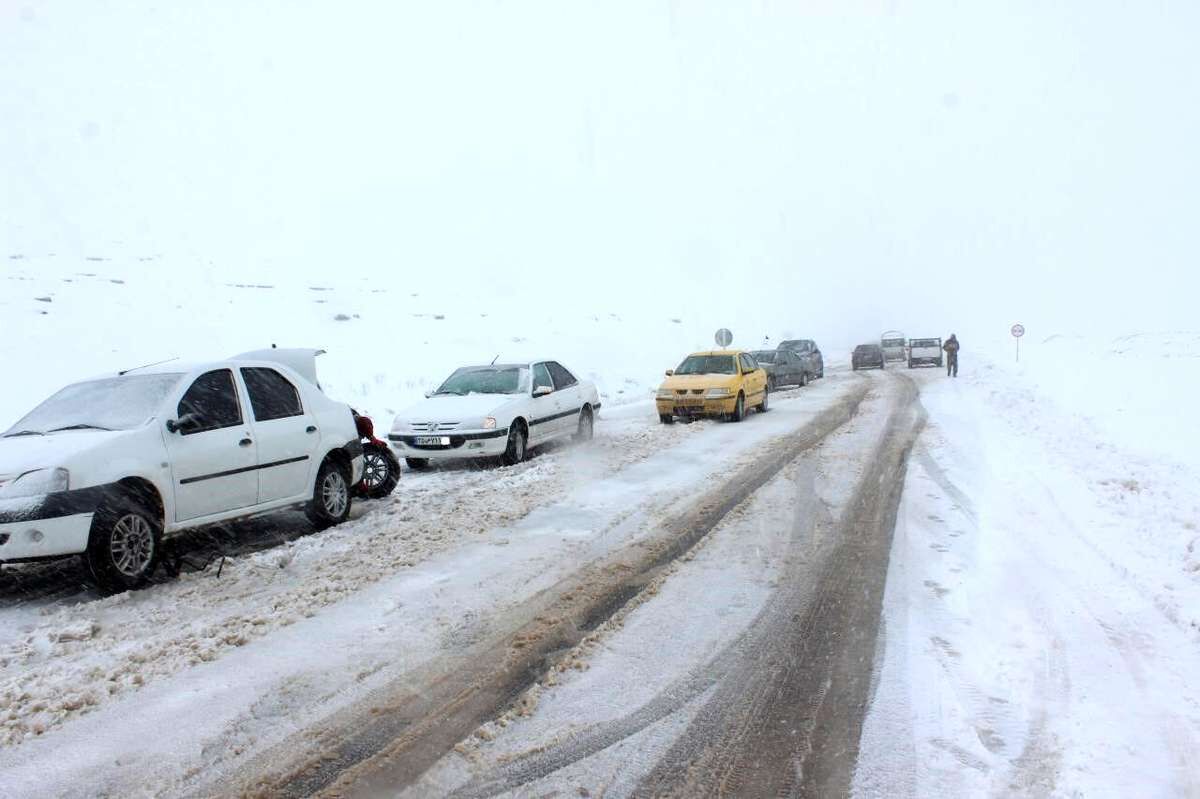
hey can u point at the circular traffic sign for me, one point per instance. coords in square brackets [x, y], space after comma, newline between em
[723, 337]
[1018, 330]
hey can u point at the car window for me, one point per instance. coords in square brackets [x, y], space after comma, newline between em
[212, 402]
[541, 376]
[748, 364]
[562, 378]
[272, 396]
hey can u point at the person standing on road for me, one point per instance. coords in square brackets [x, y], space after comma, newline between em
[951, 348]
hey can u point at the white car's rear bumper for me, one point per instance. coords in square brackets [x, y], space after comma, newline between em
[460, 444]
[44, 538]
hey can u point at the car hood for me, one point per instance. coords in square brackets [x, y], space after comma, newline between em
[676, 382]
[20, 454]
[452, 408]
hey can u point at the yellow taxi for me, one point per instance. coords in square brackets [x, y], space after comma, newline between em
[717, 383]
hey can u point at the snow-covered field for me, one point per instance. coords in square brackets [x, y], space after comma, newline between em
[1042, 615]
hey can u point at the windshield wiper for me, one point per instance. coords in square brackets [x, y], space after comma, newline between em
[79, 427]
[455, 393]
[24, 433]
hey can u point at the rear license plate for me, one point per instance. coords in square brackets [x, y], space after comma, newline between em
[432, 441]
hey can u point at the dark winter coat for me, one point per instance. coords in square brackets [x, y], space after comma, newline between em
[951, 345]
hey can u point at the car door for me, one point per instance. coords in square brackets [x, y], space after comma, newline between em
[789, 368]
[571, 397]
[754, 378]
[287, 434]
[212, 453]
[544, 422]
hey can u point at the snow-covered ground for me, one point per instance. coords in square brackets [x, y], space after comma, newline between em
[1042, 613]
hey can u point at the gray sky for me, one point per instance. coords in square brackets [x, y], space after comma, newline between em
[929, 166]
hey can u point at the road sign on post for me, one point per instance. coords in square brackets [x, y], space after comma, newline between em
[1018, 330]
[723, 337]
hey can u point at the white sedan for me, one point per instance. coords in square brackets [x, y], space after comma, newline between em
[107, 467]
[498, 410]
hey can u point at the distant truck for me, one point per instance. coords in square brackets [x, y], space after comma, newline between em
[925, 352]
[892, 342]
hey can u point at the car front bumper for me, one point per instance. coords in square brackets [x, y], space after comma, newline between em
[459, 444]
[24, 538]
[700, 406]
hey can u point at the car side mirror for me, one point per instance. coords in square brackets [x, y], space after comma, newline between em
[189, 421]
[542, 391]
[670, 372]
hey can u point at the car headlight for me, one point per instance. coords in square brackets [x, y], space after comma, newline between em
[36, 482]
[714, 393]
[665, 393]
[489, 423]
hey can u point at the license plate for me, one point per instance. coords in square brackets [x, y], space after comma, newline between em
[432, 441]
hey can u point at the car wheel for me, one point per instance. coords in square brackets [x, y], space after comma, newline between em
[910, 364]
[518, 440]
[330, 504]
[803, 379]
[666, 418]
[739, 409]
[417, 464]
[764, 406]
[124, 545]
[771, 383]
[381, 472]
[587, 426]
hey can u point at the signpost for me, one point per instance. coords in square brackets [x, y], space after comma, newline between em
[1018, 330]
[723, 338]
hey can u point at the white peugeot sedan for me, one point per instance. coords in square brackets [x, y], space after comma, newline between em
[107, 467]
[499, 410]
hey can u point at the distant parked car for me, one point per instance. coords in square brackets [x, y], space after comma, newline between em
[867, 356]
[894, 345]
[783, 367]
[809, 353]
[498, 410]
[107, 467]
[722, 383]
[925, 352]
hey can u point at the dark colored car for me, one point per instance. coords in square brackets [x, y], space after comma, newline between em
[810, 354]
[867, 356]
[784, 367]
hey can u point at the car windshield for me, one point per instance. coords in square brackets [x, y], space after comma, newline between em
[707, 365]
[866, 349]
[893, 342]
[115, 403]
[487, 380]
[925, 342]
[764, 356]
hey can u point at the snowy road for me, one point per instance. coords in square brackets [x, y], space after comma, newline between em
[705, 609]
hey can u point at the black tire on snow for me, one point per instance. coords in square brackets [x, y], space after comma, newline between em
[332, 496]
[518, 446]
[586, 429]
[124, 546]
[666, 418]
[764, 406]
[739, 409]
[381, 472]
[417, 464]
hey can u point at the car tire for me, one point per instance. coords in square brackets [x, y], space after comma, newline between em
[803, 379]
[910, 364]
[518, 443]
[381, 472]
[586, 430]
[739, 409]
[666, 418]
[853, 368]
[771, 383]
[417, 464]
[765, 405]
[124, 545]
[330, 505]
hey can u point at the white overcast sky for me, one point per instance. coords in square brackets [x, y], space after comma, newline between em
[853, 166]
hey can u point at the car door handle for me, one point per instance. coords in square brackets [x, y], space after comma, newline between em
[245, 442]
[312, 428]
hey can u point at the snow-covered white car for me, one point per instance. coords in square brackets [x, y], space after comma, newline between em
[107, 467]
[499, 410]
